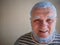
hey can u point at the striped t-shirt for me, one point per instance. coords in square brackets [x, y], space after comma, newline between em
[27, 40]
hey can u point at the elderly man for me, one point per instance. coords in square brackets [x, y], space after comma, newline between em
[43, 22]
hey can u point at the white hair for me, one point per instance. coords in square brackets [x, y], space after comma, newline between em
[44, 5]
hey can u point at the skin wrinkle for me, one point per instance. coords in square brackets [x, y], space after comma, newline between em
[37, 17]
[43, 20]
[47, 11]
[42, 16]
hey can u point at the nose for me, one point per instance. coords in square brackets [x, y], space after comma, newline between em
[43, 23]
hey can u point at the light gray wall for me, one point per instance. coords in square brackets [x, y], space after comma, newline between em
[15, 19]
[0, 26]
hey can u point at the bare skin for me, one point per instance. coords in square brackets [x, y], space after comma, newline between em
[44, 25]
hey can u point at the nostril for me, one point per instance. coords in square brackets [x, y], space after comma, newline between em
[42, 26]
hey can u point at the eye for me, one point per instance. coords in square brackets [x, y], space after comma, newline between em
[37, 20]
[49, 20]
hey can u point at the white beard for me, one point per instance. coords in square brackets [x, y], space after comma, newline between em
[44, 40]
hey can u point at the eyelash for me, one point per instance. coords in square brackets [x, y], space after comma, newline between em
[49, 20]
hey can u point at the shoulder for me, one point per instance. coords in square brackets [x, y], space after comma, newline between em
[57, 39]
[57, 36]
[25, 39]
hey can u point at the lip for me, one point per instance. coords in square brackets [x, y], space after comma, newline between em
[43, 31]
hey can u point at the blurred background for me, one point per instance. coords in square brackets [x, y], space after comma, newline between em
[15, 19]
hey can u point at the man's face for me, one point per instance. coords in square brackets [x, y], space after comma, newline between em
[43, 22]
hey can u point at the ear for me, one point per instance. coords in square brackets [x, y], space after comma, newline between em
[56, 19]
[30, 18]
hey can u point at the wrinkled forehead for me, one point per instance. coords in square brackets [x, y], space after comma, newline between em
[44, 11]
[47, 17]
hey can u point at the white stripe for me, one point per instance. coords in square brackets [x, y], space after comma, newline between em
[26, 41]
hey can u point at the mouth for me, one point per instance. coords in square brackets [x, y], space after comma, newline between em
[43, 31]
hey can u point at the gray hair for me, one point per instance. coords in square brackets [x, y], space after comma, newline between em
[44, 5]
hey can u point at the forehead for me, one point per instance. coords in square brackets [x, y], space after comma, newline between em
[43, 12]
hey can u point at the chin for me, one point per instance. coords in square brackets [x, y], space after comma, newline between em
[43, 35]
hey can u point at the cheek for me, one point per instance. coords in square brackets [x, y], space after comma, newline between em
[35, 27]
[51, 27]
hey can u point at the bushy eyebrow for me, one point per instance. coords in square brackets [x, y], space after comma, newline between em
[51, 17]
[36, 17]
[36, 20]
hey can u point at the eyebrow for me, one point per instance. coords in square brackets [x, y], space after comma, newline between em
[36, 17]
[36, 20]
[52, 17]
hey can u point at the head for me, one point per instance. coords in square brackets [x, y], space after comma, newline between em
[43, 19]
